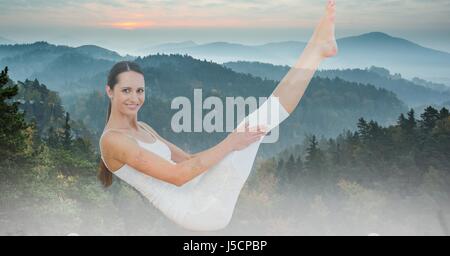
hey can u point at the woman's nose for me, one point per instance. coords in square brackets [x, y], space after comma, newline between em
[134, 97]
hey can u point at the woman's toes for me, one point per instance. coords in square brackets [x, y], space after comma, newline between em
[331, 9]
[331, 4]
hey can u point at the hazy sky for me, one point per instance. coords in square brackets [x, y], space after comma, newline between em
[128, 26]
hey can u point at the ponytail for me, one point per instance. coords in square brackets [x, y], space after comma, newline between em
[104, 174]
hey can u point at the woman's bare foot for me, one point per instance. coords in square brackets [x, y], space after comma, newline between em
[323, 37]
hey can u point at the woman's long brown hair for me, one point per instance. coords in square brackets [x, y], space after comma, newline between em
[105, 175]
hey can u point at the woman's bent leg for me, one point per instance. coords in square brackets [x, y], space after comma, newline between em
[213, 195]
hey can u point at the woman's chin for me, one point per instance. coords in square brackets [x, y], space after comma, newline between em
[130, 110]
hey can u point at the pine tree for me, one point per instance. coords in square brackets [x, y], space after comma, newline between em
[280, 164]
[402, 122]
[443, 113]
[67, 133]
[52, 138]
[429, 118]
[291, 169]
[12, 125]
[407, 131]
[314, 157]
[363, 128]
[334, 151]
[299, 164]
[411, 120]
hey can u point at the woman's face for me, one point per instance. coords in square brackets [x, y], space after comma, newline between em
[129, 93]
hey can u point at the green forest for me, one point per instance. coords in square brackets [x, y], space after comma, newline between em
[387, 179]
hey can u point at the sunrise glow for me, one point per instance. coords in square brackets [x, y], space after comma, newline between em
[129, 25]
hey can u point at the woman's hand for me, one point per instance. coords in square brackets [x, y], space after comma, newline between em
[241, 138]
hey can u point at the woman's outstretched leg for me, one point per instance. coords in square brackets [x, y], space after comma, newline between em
[321, 45]
[276, 109]
[286, 96]
[208, 201]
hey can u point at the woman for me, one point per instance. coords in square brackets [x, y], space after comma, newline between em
[199, 191]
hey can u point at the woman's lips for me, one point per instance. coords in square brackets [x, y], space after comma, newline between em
[132, 106]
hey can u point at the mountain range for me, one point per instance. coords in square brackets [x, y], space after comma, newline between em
[371, 49]
[415, 92]
[361, 51]
[56, 65]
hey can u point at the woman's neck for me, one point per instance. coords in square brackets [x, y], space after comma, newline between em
[120, 121]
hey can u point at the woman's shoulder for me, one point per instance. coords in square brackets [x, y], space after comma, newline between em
[119, 146]
[115, 137]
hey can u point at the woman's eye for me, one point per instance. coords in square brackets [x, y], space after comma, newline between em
[128, 90]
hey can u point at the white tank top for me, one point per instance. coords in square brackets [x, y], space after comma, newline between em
[146, 184]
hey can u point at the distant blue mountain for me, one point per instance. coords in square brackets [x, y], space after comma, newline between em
[396, 54]
[5, 41]
[170, 46]
[56, 65]
[375, 48]
[223, 51]
[98, 52]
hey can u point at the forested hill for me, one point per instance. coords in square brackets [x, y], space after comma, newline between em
[57, 66]
[412, 93]
[44, 108]
[175, 75]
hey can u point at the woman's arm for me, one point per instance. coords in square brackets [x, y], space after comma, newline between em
[237, 140]
[178, 155]
[125, 150]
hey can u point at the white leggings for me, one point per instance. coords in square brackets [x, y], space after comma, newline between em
[207, 202]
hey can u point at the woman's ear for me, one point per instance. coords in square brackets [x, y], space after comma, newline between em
[109, 91]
